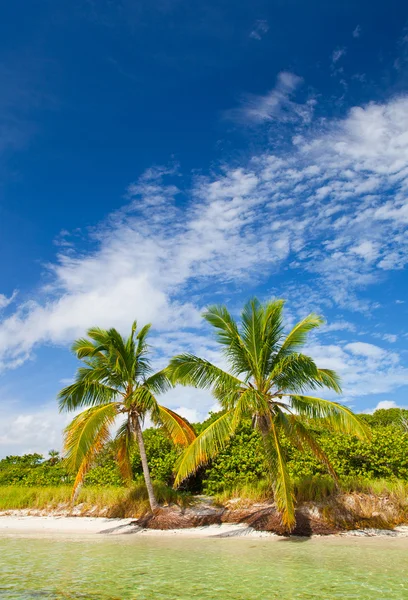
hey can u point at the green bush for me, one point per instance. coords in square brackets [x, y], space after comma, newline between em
[161, 456]
[385, 456]
[33, 470]
[241, 463]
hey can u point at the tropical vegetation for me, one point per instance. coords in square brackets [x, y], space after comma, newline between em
[273, 437]
[241, 464]
[374, 472]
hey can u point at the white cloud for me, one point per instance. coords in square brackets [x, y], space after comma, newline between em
[337, 54]
[259, 29]
[357, 31]
[7, 300]
[338, 326]
[192, 404]
[390, 337]
[364, 349]
[364, 369]
[137, 271]
[23, 431]
[275, 105]
[384, 404]
[366, 250]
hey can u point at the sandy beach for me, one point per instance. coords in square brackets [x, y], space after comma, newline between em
[28, 525]
[33, 525]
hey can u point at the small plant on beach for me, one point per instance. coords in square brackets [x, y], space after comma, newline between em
[269, 382]
[116, 381]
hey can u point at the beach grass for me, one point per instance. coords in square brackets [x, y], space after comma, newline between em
[351, 503]
[316, 489]
[111, 501]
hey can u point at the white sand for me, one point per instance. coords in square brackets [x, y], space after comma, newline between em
[30, 525]
[23, 525]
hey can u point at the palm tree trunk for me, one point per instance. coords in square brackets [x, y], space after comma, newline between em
[262, 424]
[154, 505]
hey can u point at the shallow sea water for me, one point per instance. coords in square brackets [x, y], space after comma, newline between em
[150, 568]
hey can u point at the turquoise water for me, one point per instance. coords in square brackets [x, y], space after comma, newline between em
[147, 568]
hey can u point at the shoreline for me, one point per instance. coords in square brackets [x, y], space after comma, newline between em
[20, 525]
[111, 527]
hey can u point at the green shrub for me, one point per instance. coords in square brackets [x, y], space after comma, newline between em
[241, 463]
[32, 469]
[385, 456]
[161, 456]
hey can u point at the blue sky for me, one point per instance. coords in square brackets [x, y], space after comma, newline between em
[159, 156]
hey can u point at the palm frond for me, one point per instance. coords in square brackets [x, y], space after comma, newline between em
[159, 382]
[123, 445]
[298, 373]
[295, 372]
[251, 402]
[243, 408]
[85, 393]
[144, 401]
[142, 363]
[100, 337]
[180, 432]
[122, 359]
[141, 339]
[300, 436]
[187, 369]
[252, 329]
[130, 342]
[272, 328]
[205, 446]
[336, 415]
[229, 337]
[281, 481]
[83, 347]
[85, 437]
[298, 335]
[330, 379]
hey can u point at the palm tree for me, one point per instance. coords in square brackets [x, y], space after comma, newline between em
[269, 381]
[54, 457]
[116, 381]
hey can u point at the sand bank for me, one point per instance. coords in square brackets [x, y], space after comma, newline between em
[21, 525]
[30, 525]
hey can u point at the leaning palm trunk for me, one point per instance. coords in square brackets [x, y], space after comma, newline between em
[116, 381]
[268, 381]
[154, 505]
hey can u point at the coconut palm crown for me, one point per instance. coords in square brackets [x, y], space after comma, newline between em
[269, 381]
[116, 380]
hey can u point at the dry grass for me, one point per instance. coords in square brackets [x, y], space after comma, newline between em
[244, 496]
[397, 488]
[107, 501]
[364, 503]
[316, 489]
[19, 497]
